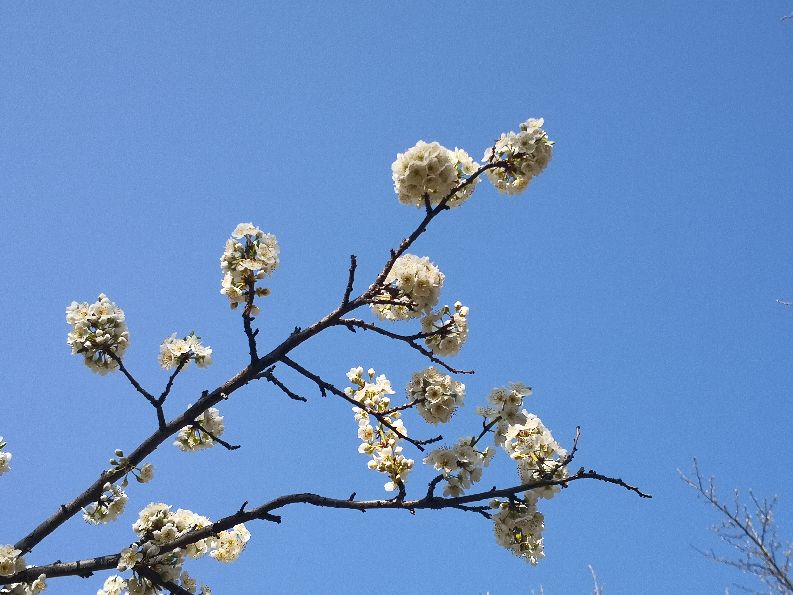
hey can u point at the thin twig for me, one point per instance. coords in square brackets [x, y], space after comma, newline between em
[340, 393]
[408, 339]
[350, 280]
[270, 377]
[217, 439]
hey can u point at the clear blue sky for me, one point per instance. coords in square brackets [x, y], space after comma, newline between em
[633, 285]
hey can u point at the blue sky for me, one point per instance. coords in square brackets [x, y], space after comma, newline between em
[633, 286]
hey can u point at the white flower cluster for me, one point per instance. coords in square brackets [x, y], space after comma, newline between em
[438, 395]
[250, 255]
[192, 438]
[413, 287]
[528, 153]
[432, 170]
[97, 329]
[11, 562]
[5, 458]
[380, 442]
[174, 351]
[506, 408]
[447, 331]
[518, 527]
[108, 507]
[537, 454]
[460, 465]
[156, 526]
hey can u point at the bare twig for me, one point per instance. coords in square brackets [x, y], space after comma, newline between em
[751, 532]
[351, 323]
[270, 377]
[350, 280]
[223, 443]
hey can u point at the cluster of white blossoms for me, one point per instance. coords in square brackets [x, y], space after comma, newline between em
[200, 434]
[446, 331]
[537, 454]
[505, 408]
[157, 526]
[518, 527]
[437, 395]
[11, 562]
[380, 441]
[528, 153]
[174, 351]
[433, 171]
[5, 458]
[412, 288]
[97, 330]
[250, 255]
[460, 465]
[108, 507]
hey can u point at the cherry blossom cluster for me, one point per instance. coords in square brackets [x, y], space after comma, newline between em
[446, 331]
[537, 454]
[460, 465]
[528, 153]
[436, 395]
[505, 408]
[5, 458]
[412, 287]
[202, 432]
[113, 499]
[380, 441]
[108, 507]
[156, 526]
[518, 526]
[98, 329]
[174, 352]
[250, 255]
[11, 562]
[431, 170]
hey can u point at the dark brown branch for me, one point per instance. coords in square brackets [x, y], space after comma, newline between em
[265, 512]
[350, 280]
[135, 384]
[340, 393]
[247, 319]
[167, 390]
[270, 377]
[217, 439]
[410, 340]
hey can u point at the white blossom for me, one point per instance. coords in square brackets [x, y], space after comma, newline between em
[250, 255]
[108, 507]
[380, 441]
[11, 560]
[114, 585]
[412, 287]
[518, 527]
[438, 395]
[528, 152]
[5, 458]
[505, 408]
[447, 331]
[174, 351]
[461, 465]
[432, 170]
[531, 445]
[192, 438]
[229, 544]
[98, 329]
